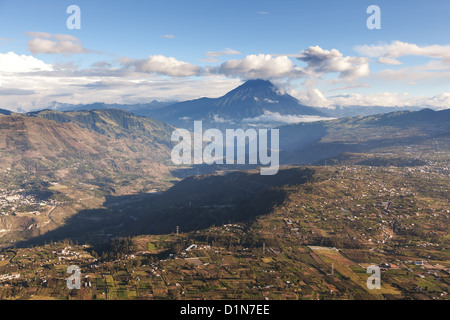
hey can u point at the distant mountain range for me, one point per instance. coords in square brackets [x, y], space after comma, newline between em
[5, 112]
[118, 153]
[89, 146]
[357, 111]
[113, 123]
[302, 143]
[199, 202]
[141, 109]
[256, 102]
[307, 143]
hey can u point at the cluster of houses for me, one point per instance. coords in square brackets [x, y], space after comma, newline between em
[194, 246]
[11, 200]
[67, 254]
[7, 277]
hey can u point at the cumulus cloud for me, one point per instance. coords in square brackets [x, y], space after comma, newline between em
[313, 97]
[436, 70]
[310, 96]
[12, 62]
[28, 87]
[382, 99]
[320, 61]
[219, 119]
[387, 60]
[260, 66]
[162, 65]
[441, 101]
[275, 117]
[398, 49]
[54, 44]
[129, 80]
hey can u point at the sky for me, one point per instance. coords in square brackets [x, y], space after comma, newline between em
[321, 52]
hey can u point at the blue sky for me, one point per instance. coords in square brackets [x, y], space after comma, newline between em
[136, 51]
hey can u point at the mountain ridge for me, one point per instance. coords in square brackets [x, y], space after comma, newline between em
[311, 142]
[247, 102]
[113, 123]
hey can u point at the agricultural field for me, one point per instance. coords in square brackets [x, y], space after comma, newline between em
[308, 233]
[315, 244]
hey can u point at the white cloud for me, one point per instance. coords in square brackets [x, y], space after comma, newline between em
[313, 97]
[12, 62]
[54, 44]
[167, 36]
[435, 71]
[398, 49]
[260, 66]
[139, 80]
[218, 119]
[441, 101]
[162, 65]
[320, 61]
[392, 99]
[31, 86]
[226, 52]
[382, 99]
[271, 117]
[387, 60]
